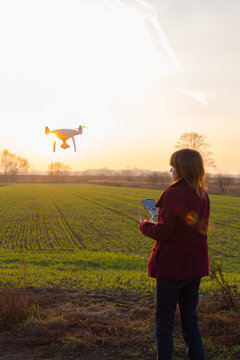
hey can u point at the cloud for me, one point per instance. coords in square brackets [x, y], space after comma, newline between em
[174, 60]
[152, 16]
[201, 96]
[153, 27]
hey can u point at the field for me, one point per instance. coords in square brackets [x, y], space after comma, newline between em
[85, 238]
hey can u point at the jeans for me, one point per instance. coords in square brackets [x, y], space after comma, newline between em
[185, 294]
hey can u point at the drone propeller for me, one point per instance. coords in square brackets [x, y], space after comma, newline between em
[81, 126]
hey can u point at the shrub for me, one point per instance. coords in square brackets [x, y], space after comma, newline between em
[229, 296]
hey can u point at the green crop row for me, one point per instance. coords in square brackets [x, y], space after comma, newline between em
[87, 236]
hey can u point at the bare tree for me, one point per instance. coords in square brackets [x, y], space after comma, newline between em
[13, 164]
[224, 182]
[162, 179]
[153, 178]
[58, 169]
[197, 142]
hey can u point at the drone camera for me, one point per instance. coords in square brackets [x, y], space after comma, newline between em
[64, 146]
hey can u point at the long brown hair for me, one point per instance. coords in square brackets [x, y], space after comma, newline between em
[189, 165]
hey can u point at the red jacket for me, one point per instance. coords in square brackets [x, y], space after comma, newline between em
[181, 250]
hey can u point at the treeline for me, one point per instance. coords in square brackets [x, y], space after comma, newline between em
[216, 184]
[143, 178]
[15, 169]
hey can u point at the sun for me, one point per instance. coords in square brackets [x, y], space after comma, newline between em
[81, 64]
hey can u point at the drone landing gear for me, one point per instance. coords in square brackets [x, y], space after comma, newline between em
[74, 144]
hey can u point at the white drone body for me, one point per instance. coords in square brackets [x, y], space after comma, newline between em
[64, 135]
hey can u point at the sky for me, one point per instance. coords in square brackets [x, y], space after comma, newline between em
[137, 73]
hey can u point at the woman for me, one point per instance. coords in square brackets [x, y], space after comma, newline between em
[180, 256]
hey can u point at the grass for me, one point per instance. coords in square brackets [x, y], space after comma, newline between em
[66, 324]
[86, 237]
[76, 265]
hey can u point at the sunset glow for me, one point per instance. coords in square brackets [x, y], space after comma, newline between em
[137, 73]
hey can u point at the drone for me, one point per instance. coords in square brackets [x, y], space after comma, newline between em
[64, 135]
